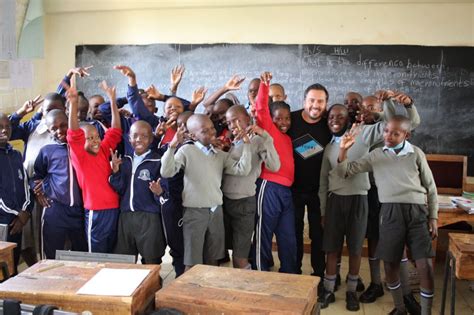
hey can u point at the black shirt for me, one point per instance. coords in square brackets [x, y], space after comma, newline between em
[309, 141]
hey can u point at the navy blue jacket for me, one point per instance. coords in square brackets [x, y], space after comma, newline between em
[54, 167]
[134, 187]
[14, 190]
[22, 131]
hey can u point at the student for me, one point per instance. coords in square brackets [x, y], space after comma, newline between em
[239, 191]
[252, 92]
[15, 206]
[90, 158]
[203, 165]
[172, 205]
[275, 211]
[404, 181]
[309, 133]
[137, 180]
[55, 184]
[277, 92]
[353, 102]
[35, 135]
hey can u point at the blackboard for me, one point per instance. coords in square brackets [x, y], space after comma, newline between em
[440, 79]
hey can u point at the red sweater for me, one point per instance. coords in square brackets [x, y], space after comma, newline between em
[282, 142]
[93, 171]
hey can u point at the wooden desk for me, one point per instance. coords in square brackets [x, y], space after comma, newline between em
[220, 290]
[58, 287]
[462, 248]
[6, 255]
[452, 215]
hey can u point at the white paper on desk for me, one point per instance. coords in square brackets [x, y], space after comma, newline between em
[21, 73]
[114, 282]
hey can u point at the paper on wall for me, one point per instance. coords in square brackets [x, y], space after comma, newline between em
[7, 29]
[4, 70]
[114, 282]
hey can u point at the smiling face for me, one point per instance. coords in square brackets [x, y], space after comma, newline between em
[338, 118]
[237, 116]
[93, 140]
[353, 101]
[201, 129]
[282, 119]
[94, 102]
[57, 123]
[173, 108]
[5, 130]
[141, 137]
[314, 105]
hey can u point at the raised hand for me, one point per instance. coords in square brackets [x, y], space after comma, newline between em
[178, 137]
[153, 93]
[116, 160]
[176, 76]
[125, 113]
[80, 71]
[234, 83]
[125, 70]
[383, 95]
[155, 187]
[347, 140]
[71, 94]
[255, 129]
[266, 77]
[109, 90]
[29, 106]
[403, 99]
[198, 95]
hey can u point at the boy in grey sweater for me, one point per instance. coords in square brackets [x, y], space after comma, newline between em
[240, 204]
[203, 165]
[346, 199]
[404, 182]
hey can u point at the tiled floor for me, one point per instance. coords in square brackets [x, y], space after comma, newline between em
[464, 297]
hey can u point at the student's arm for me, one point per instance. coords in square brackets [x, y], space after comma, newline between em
[346, 169]
[175, 78]
[324, 183]
[243, 166]
[22, 131]
[66, 81]
[198, 96]
[73, 99]
[37, 184]
[172, 163]
[233, 84]
[16, 226]
[267, 151]
[138, 107]
[104, 108]
[264, 118]
[428, 182]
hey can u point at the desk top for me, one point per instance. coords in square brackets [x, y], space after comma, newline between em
[6, 245]
[56, 282]
[464, 242]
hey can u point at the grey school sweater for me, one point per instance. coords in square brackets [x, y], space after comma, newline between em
[371, 135]
[399, 178]
[262, 150]
[203, 173]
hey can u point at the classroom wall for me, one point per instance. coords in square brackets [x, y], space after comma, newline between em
[69, 23]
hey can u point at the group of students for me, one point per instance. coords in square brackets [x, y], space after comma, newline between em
[109, 180]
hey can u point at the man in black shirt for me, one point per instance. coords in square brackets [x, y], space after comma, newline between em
[310, 133]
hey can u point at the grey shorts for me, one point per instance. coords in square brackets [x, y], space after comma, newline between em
[204, 236]
[141, 233]
[345, 216]
[403, 224]
[374, 214]
[239, 222]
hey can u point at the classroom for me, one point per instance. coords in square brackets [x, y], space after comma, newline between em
[236, 156]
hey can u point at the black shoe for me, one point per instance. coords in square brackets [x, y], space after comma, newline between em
[338, 282]
[411, 304]
[326, 298]
[373, 292]
[352, 302]
[396, 311]
[320, 288]
[360, 284]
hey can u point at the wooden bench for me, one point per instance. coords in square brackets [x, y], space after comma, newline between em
[58, 286]
[219, 290]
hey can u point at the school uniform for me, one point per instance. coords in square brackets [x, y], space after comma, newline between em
[140, 228]
[64, 219]
[203, 223]
[239, 193]
[14, 192]
[275, 210]
[404, 182]
[101, 202]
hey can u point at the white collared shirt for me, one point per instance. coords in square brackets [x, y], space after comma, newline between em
[207, 150]
[137, 159]
[407, 148]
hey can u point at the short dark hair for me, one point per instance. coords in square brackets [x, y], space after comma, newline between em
[279, 105]
[337, 105]
[318, 87]
[52, 97]
[278, 85]
[403, 120]
[226, 101]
